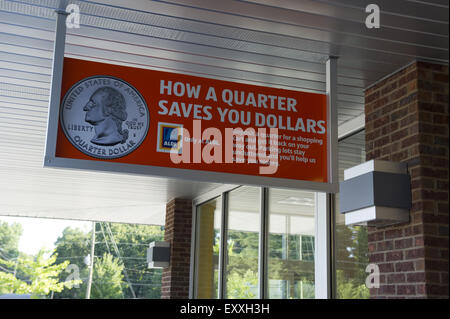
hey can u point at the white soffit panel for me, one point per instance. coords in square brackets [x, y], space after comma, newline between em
[280, 43]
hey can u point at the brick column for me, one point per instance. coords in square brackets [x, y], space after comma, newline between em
[178, 227]
[407, 121]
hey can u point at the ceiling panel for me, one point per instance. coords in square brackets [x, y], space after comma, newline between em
[279, 43]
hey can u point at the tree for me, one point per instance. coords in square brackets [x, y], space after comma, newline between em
[242, 286]
[108, 278]
[41, 273]
[9, 240]
[9, 248]
[350, 289]
[131, 241]
[242, 279]
[73, 245]
[352, 259]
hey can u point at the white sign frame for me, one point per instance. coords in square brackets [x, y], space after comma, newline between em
[50, 159]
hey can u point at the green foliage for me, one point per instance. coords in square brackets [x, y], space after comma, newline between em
[242, 260]
[107, 278]
[293, 265]
[9, 249]
[41, 276]
[352, 259]
[9, 239]
[74, 245]
[309, 291]
[73, 242]
[132, 242]
[241, 286]
[350, 289]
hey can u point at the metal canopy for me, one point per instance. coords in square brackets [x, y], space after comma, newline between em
[280, 43]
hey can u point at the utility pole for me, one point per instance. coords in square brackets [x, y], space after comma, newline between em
[91, 263]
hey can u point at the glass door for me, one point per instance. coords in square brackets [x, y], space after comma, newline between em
[238, 258]
[291, 244]
[243, 243]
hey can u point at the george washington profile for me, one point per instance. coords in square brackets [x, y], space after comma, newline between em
[106, 110]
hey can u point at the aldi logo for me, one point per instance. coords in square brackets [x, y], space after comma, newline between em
[169, 134]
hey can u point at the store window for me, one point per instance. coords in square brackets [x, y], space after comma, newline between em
[231, 259]
[351, 255]
[291, 244]
[289, 256]
[243, 243]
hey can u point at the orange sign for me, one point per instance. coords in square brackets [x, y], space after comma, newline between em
[137, 116]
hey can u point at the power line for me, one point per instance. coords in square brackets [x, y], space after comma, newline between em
[99, 242]
[7, 270]
[140, 284]
[108, 229]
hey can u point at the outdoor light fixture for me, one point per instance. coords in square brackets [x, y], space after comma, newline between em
[158, 254]
[376, 193]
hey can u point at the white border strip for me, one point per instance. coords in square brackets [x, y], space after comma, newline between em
[188, 174]
[352, 126]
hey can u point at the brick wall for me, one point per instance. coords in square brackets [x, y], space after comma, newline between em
[178, 227]
[407, 121]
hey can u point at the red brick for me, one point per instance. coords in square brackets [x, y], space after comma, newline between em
[418, 241]
[419, 264]
[404, 266]
[396, 278]
[433, 277]
[437, 265]
[376, 236]
[418, 135]
[421, 289]
[440, 77]
[394, 255]
[414, 253]
[406, 289]
[393, 233]
[415, 277]
[444, 278]
[399, 93]
[387, 290]
[375, 258]
[437, 290]
[385, 245]
[386, 267]
[175, 278]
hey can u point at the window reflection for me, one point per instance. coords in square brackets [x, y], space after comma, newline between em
[208, 220]
[243, 243]
[350, 241]
[291, 244]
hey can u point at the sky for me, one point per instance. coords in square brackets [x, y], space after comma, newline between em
[42, 232]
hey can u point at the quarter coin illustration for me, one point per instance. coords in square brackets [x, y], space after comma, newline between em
[104, 117]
